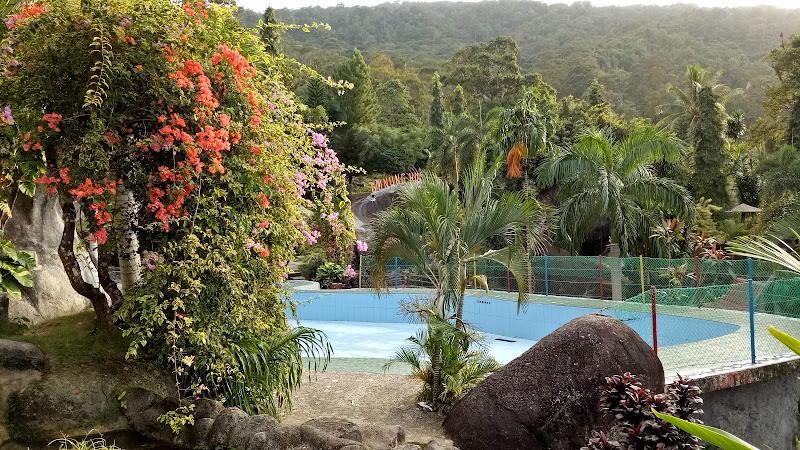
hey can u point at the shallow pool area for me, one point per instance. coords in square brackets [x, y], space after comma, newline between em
[381, 340]
[362, 325]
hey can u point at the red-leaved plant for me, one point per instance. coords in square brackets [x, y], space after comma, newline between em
[637, 427]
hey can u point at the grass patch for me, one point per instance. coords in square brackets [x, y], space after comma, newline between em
[69, 340]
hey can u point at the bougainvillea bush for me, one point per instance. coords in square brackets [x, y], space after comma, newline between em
[169, 137]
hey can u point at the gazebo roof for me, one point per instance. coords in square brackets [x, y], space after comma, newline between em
[744, 208]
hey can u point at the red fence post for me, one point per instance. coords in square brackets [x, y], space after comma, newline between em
[601, 276]
[655, 327]
[697, 276]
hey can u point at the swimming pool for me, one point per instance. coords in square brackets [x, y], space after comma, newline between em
[376, 326]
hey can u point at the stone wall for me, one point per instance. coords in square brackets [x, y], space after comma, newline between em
[758, 404]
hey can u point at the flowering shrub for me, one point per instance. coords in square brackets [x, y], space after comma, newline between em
[179, 107]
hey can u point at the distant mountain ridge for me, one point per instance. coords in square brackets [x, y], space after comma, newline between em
[634, 50]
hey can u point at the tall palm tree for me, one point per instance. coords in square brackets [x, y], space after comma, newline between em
[599, 177]
[432, 221]
[683, 114]
[461, 141]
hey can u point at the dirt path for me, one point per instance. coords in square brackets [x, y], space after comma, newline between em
[367, 397]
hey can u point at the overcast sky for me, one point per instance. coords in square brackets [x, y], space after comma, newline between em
[261, 5]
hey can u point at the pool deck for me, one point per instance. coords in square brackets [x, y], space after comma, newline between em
[720, 355]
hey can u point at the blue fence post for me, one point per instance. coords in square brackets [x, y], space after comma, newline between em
[545, 276]
[395, 272]
[752, 311]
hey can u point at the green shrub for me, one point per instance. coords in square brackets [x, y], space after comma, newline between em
[328, 274]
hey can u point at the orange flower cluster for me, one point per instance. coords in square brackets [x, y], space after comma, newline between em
[515, 160]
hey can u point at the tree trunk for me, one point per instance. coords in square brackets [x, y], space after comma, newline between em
[72, 268]
[130, 262]
[616, 272]
[460, 313]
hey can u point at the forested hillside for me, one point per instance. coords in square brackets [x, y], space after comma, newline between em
[633, 51]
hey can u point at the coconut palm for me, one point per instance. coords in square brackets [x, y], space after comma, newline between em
[683, 114]
[600, 177]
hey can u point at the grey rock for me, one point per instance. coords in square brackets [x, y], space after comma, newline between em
[548, 397]
[224, 424]
[199, 431]
[435, 445]
[321, 440]
[36, 226]
[341, 428]
[21, 356]
[245, 429]
[382, 437]
[409, 447]
[206, 408]
[139, 399]
[288, 436]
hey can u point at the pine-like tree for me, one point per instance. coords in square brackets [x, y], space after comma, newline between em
[316, 93]
[270, 36]
[360, 104]
[459, 106]
[437, 117]
[793, 133]
[437, 114]
[594, 96]
[709, 156]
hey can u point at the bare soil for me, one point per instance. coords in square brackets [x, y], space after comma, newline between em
[379, 399]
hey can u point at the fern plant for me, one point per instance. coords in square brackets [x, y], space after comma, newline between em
[447, 359]
[265, 372]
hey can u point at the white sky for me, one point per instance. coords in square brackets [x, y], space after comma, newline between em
[261, 5]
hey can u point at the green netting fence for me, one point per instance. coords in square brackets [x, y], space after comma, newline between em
[731, 303]
[593, 277]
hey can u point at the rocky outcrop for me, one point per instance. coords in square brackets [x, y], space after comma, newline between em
[73, 401]
[36, 226]
[215, 426]
[548, 398]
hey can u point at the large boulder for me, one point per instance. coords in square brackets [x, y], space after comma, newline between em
[36, 226]
[548, 398]
[21, 356]
[74, 401]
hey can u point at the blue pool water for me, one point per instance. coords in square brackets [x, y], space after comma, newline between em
[363, 325]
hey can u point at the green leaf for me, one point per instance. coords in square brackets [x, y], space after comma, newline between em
[715, 436]
[27, 187]
[11, 287]
[26, 259]
[789, 341]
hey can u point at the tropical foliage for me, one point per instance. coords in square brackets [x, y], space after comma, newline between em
[602, 178]
[447, 359]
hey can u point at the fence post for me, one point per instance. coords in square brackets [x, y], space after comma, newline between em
[475, 274]
[545, 276]
[752, 311]
[360, 262]
[601, 276]
[395, 272]
[508, 280]
[655, 326]
[641, 275]
[697, 277]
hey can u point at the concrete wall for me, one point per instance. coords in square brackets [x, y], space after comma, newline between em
[758, 404]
